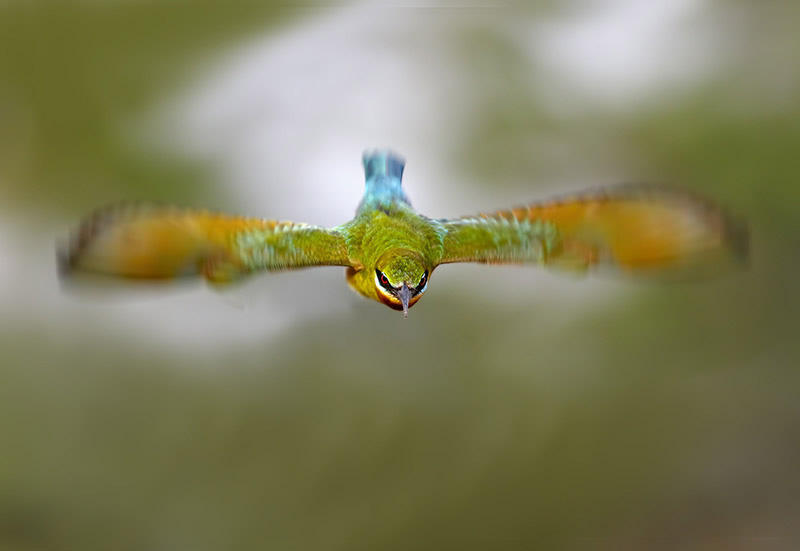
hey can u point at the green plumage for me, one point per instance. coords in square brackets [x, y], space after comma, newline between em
[396, 241]
[289, 246]
[489, 240]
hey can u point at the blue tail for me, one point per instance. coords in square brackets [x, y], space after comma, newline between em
[383, 163]
[383, 171]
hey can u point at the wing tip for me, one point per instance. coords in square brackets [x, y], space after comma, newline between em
[103, 218]
[76, 255]
[69, 252]
[734, 231]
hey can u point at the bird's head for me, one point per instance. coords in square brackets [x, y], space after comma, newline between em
[401, 277]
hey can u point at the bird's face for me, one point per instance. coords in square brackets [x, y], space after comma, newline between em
[400, 279]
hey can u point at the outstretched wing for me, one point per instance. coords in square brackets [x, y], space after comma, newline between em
[633, 227]
[141, 241]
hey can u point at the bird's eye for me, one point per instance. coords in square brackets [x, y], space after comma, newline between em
[383, 280]
[421, 285]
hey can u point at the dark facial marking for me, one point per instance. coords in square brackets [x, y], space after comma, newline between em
[421, 285]
[384, 281]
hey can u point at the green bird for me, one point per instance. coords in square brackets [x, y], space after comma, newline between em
[390, 251]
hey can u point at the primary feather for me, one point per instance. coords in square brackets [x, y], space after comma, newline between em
[635, 228]
[143, 241]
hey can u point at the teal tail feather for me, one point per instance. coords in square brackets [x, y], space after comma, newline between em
[383, 171]
[383, 164]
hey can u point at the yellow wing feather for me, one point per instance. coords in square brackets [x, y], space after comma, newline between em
[636, 228]
[141, 241]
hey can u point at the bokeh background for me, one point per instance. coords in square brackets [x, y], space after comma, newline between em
[514, 409]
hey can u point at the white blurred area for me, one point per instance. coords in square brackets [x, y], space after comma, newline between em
[622, 54]
[285, 117]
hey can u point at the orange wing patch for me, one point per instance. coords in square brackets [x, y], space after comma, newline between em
[642, 228]
[156, 242]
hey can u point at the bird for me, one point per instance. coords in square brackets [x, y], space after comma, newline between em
[390, 252]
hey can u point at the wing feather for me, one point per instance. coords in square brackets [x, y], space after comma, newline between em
[633, 227]
[154, 242]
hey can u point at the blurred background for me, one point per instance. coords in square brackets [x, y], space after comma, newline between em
[514, 409]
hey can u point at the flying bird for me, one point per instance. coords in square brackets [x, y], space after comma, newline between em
[390, 251]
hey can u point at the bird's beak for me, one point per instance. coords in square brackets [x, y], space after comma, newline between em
[404, 294]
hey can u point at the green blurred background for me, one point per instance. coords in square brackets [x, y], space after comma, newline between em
[513, 409]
